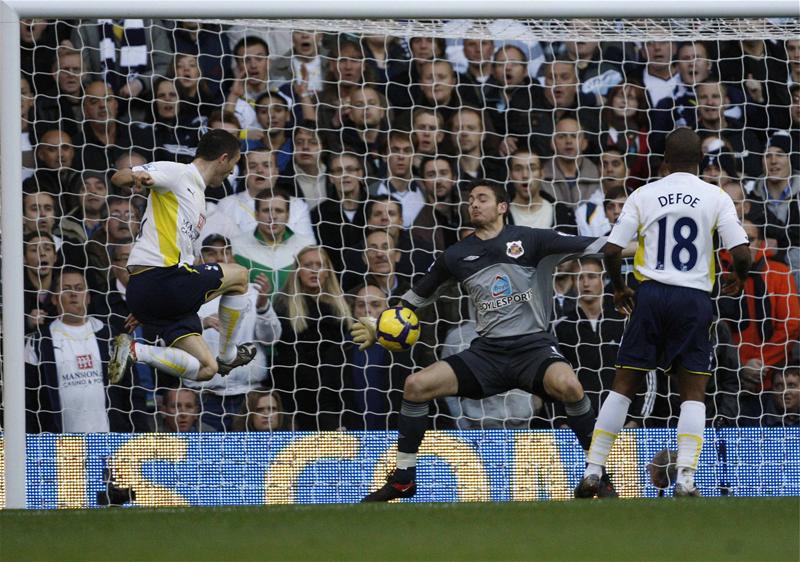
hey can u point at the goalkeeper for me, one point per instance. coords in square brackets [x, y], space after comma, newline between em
[165, 291]
[507, 271]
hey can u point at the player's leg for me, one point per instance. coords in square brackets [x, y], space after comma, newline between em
[691, 422]
[690, 352]
[562, 384]
[187, 357]
[420, 388]
[232, 305]
[612, 417]
[638, 354]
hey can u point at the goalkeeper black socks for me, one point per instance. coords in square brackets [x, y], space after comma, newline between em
[580, 418]
[411, 428]
[405, 475]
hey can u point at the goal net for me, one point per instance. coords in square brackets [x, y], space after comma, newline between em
[359, 142]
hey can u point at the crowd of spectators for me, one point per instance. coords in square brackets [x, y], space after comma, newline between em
[356, 153]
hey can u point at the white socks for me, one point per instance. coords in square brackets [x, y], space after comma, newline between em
[406, 460]
[690, 440]
[231, 308]
[171, 360]
[612, 417]
[609, 424]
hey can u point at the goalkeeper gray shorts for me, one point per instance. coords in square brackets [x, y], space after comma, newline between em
[494, 365]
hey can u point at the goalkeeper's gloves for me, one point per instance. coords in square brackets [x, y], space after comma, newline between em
[363, 332]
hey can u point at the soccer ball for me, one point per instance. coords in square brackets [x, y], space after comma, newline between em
[397, 328]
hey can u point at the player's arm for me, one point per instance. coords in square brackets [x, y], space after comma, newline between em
[617, 247]
[128, 179]
[554, 243]
[421, 294]
[425, 290]
[734, 238]
[732, 284]
[623, 295]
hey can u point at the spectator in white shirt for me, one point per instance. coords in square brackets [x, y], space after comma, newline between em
[261, 172]
[66, 371]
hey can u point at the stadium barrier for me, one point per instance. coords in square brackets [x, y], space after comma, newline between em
[66, 471]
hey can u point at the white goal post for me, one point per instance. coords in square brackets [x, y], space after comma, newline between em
[726, 18]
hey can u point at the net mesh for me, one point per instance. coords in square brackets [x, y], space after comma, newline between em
[375, 129]
[684, 29]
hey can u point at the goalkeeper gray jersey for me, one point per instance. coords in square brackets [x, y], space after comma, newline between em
[509, 278]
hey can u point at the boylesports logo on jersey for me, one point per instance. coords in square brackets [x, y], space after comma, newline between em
[501, 286]
[514, 249]
[504, 294]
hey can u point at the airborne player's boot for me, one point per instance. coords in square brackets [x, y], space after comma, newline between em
[244, 354]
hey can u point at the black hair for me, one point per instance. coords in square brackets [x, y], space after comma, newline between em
[114, 249]
[345, 152]
[31, 235]
[269, 193]
[451, 162]
[380, 199]
[510, 47]
[59, 273]
[250, 40]
[500, 193]
[30, 188]
[272, 95]
[215, 143]
[306, 125]
[614, 192]
[683, 149]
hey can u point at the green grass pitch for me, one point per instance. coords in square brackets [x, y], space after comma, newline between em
[664, 529]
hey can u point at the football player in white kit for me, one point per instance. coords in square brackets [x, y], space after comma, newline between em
[165, 289]
[675, 219]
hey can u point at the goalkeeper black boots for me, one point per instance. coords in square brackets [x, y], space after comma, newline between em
[392, 490]
[244, 354]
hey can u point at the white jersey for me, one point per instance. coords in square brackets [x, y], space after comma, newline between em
[675, 219]
[79, 366]
[175, 215]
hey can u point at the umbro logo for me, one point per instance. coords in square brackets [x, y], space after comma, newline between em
[470, 258]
